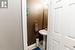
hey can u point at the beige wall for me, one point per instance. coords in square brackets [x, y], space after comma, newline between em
[10, 26]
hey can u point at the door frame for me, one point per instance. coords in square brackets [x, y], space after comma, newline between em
[24, 20]
[50, 25]
[24, 24]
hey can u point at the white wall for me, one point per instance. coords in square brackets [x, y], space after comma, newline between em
[10, 26]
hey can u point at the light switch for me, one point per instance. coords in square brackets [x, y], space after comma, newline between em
[3, 3]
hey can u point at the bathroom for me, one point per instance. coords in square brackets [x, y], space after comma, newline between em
[37, 20]
[37, 24]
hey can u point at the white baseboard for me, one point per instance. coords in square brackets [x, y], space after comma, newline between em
[32, 46]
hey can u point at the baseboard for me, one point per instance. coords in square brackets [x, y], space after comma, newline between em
[32, 46]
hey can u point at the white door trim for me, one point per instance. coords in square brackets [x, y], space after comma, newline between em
[49, 27]
[24, 20]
